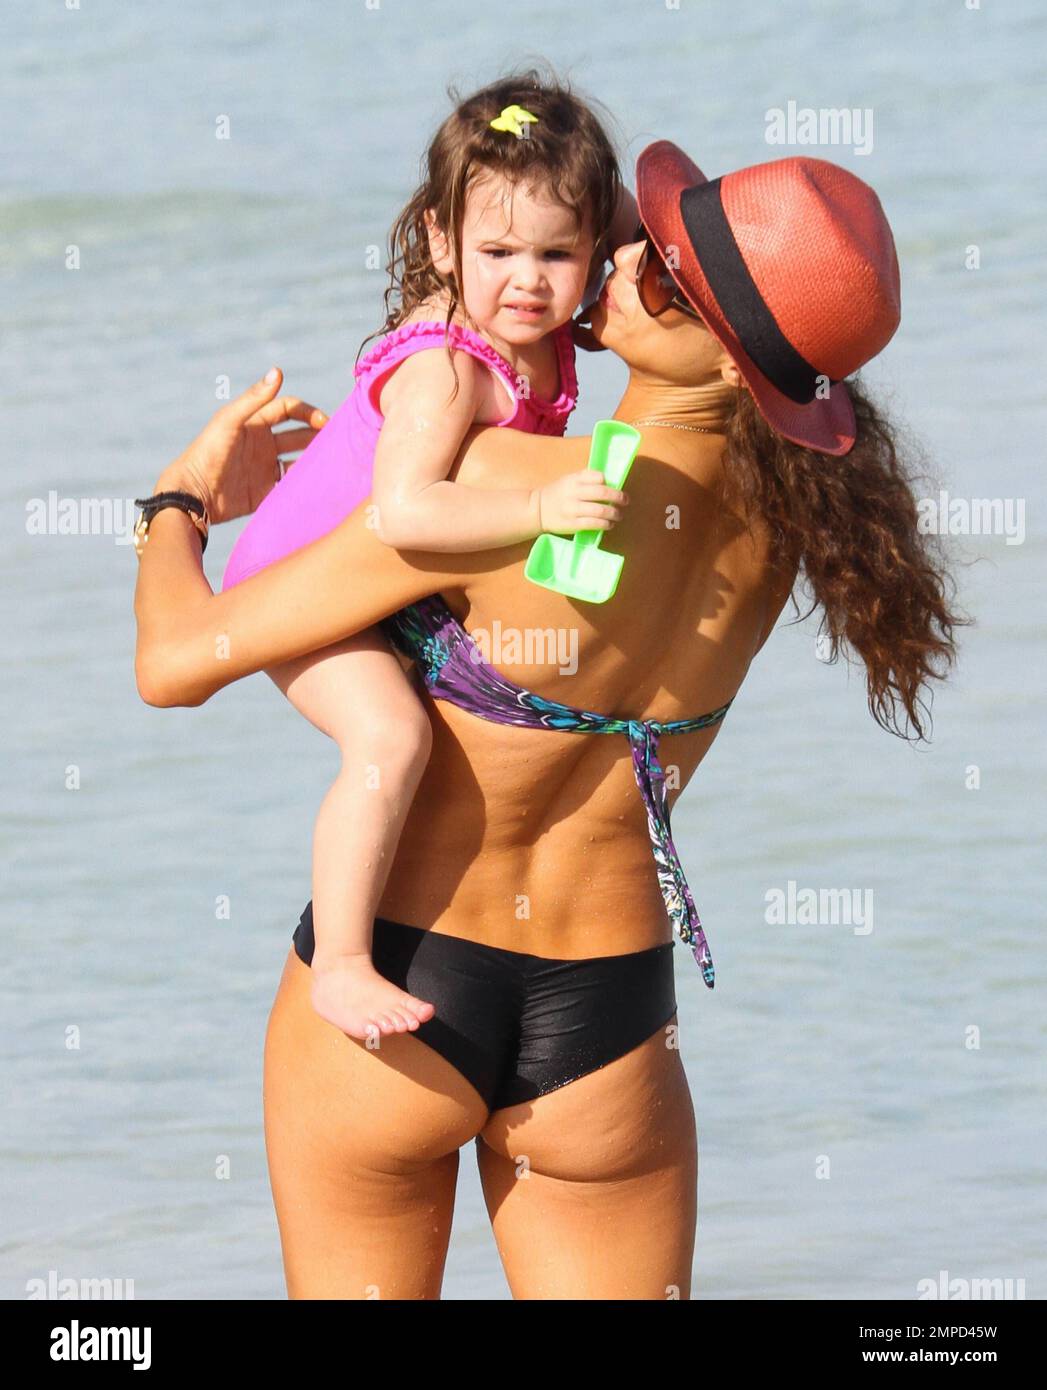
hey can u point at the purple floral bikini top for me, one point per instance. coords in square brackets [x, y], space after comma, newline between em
[454, 669]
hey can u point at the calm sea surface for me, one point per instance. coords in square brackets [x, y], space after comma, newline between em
[202, 257]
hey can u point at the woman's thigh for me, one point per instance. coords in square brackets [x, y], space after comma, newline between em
[592, 1189]
[362, 1145]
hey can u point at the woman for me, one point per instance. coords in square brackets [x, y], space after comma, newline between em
[523, 894]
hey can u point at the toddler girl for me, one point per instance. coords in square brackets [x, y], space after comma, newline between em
[521, 202]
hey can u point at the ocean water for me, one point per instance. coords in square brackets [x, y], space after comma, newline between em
[870, 1105]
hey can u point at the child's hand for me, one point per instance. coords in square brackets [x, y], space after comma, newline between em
[580, 502]
[621, 232]
[623, 228]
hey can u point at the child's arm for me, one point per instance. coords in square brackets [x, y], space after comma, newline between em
[423, 430]
[418, 507]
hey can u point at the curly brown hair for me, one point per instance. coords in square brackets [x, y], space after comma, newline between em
[567, 152]
[851, 525]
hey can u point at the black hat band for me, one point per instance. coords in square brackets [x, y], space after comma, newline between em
[739, 299]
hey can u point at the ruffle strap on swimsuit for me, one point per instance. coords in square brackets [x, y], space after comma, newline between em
[532, 413]
[454, 669]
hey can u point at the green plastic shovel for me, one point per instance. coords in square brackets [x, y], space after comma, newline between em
[578, 567]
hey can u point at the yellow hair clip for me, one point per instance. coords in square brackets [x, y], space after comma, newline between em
[511, 119]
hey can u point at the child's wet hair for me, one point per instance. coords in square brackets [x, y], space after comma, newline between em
[566, 151]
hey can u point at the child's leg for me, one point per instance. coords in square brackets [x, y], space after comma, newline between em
[357, 692]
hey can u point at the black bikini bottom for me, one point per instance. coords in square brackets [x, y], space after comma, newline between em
[518, 1026]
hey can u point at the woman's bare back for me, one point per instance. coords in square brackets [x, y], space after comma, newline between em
[515, 864]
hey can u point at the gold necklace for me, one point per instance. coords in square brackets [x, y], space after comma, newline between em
[672, 425]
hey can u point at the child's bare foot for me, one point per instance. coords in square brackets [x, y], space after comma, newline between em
[349, 992]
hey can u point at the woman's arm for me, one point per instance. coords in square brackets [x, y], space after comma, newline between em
[192, 642]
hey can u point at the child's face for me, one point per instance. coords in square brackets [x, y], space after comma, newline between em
[525, 263]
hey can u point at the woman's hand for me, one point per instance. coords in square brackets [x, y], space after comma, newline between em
[233, 462]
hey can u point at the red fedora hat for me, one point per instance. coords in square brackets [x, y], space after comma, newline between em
[792, 266]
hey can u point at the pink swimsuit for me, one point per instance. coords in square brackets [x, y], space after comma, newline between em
[332, 476]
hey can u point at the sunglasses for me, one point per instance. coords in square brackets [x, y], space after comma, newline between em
[655, 287]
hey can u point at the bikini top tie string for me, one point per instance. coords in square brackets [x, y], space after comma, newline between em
[650, 777]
